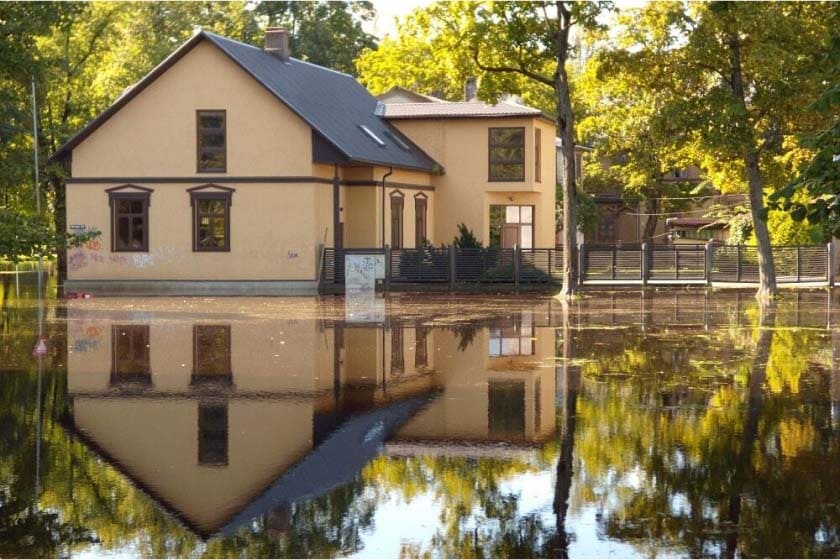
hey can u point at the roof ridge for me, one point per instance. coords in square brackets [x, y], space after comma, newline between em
[256, 48]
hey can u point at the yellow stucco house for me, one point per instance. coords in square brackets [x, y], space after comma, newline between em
[228, 167]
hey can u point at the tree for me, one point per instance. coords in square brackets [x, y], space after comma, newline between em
[623, 98]
[531, 39]
[754, 70]
[27, 235]
[813, 195]
[325, 33]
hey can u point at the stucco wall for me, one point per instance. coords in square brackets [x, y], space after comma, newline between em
[155, 133]
[275, 230]
[464, 194]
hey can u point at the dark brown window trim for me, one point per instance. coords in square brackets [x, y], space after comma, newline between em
[421, 208]
[490, 147]
[397, 199]
[255, 179]
[537, 155]
[129, 192]
[199, 149]
[205, 192]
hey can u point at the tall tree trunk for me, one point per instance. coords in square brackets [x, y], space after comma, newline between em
[766, 267]
[755, 403]
[651, 221]
[566, 131]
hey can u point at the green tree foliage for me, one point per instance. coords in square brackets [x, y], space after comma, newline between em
[813, 195]
[27, 235]
[325, 33]
[466, 238]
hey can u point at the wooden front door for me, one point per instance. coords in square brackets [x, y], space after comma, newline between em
[510, 236]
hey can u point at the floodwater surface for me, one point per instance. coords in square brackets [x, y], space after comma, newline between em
[671, 423]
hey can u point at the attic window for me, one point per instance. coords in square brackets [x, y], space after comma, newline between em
[373, 136]
[399, 141]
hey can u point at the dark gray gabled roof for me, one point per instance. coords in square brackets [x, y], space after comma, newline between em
[332, 103]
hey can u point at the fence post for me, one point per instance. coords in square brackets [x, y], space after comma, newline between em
[707, 266]
[387, 268]
[517, 265]
[676, 262]
[452, 268]
[738, 265]
[613, 263]
[829, 274]
[645, 263]
[581, 262]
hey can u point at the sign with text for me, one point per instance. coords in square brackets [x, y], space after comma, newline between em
[362, 271]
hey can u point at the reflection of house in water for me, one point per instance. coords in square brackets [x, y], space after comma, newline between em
[221, 422]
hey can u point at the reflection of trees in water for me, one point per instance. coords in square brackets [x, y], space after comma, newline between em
[478, 516]
[744, 463]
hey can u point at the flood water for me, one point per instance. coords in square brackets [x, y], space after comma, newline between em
[672, 423]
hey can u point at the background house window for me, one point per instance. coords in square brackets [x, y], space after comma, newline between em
[212, 153]
[420, 204]
[538, 155]
[507, 154]
[211, 221]
[512, 225]
[397, 220]
[211, 354]
[130, 354]
[130, 222]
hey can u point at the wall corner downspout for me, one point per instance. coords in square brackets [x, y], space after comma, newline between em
[384, 177]
[336, 208]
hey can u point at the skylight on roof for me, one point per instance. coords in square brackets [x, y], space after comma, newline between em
[374, 137]
[399, 141]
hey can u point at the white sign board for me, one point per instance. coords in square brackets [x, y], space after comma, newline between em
[362, 271]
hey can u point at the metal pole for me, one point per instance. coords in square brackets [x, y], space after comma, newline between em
[830, 264]
[645, 271]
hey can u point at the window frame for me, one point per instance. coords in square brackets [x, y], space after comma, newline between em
[397, 243]
[491, 162]
[420, 234]
[537, 154]
[118, 194]
[199, 149]
[210, 192]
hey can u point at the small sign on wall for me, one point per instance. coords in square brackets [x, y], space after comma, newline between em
[78, 228]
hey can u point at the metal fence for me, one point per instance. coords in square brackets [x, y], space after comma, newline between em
[598, 264]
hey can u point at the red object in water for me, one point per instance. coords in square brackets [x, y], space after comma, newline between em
[40, 348]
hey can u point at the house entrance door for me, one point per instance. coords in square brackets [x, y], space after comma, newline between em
[510, 236]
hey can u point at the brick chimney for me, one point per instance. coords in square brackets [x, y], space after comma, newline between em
[471, 89]
[277, 42]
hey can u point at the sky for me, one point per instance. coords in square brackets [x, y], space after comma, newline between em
[386, 13]
[388, 10]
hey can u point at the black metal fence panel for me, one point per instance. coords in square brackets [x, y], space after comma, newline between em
[794, 263]
[541, 266]
[428, 264]
[484, 265]
[601, 264]
[677, 262]
[611, 262]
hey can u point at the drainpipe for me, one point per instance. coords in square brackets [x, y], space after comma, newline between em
[336, 207]
[390, 172]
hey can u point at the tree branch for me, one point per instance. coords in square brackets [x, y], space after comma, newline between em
[516, 70]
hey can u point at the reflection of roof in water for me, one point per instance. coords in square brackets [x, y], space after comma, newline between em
[334, 461]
